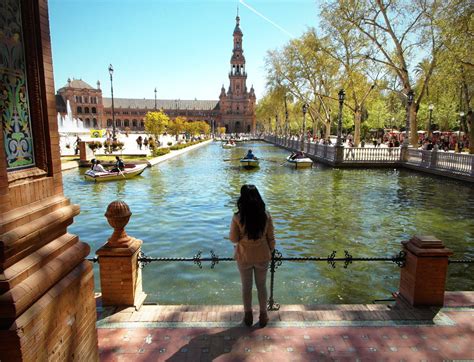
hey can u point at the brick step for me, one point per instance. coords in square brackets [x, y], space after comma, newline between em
[17, 299]
[25, 239]
[22, 215]
[19, 271]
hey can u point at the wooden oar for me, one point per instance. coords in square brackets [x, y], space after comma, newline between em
[231, 159]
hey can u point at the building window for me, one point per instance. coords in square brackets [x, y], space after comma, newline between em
[126, 123]
[125, 112]
[86, 99]
[109, 123]
[94, 110]
[118, 123]
[87, 123]
[86, 109]
[134, 123]
[78, 99]
[94, 122]
[142, 124]
[79, 110]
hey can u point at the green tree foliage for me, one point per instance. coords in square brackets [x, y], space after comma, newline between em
[176, 126]
[156, 123]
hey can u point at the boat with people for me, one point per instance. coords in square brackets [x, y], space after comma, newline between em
[130, 170]
[299, 160]
[230, 144]
[249, 163]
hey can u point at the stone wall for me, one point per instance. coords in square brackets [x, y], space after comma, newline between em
[47, 306]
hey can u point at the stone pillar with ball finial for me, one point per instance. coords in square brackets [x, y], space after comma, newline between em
[120, 275]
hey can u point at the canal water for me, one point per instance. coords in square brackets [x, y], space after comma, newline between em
[185, 205]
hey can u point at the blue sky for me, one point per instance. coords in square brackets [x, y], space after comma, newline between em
[181, 47]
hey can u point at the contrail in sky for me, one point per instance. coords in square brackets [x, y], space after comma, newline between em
[265, 18]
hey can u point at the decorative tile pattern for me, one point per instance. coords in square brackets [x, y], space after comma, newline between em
[17, 134]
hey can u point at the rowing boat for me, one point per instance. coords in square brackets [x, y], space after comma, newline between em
[229, 145]
[130, 170]
[249, 163]
[300, 162]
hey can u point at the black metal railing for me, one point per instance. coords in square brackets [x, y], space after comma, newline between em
[277, 260]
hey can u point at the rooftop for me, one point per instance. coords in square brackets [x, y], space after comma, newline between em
[161, 103]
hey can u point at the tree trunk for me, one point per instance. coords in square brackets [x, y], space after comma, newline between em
[413, 125]
[328, 129]
[357, 119]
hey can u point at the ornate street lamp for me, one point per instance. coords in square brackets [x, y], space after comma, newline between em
[430, 107]
[278, 126]
[286, 118]
[410, 97]
[461, 117]
[305, 109]
[111, 72]
[341, 95]
[155, 99]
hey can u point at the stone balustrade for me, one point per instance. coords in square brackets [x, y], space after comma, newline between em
[455, 165]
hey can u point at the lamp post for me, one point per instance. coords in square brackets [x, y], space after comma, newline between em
[155, 99]
[278, 126]
[430, 107]
[286, 118]
[461, 116]
[410, 97]
[111, 72]
[305, 109]
[341, 95]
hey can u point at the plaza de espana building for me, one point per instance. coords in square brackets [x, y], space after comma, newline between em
[235, 109]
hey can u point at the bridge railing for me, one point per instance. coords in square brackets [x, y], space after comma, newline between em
[447, 163]
[371, 155]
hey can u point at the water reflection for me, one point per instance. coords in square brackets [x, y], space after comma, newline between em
[186, 204]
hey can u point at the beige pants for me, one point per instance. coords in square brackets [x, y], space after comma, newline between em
[247, 271]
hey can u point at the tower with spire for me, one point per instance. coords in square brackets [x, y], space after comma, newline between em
[237, 104]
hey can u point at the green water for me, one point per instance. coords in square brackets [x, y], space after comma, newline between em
[186, 204]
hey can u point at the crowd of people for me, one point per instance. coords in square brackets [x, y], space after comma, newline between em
[449, 141]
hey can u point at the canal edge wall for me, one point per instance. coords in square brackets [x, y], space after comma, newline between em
[152, 162]
[173, 154]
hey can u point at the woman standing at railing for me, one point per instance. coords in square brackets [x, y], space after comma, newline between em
[252, 231]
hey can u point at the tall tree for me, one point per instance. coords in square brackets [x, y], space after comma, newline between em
[308, 74]
[346, 45]
[394, 29]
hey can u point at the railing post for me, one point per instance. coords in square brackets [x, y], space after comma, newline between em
[338, 154]
[404, 153]
[434, 158]
[120, 275]
[423, 279]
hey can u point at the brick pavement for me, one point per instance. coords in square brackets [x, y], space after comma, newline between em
[294, 333]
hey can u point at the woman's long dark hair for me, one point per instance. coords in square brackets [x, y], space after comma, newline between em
[252, 211]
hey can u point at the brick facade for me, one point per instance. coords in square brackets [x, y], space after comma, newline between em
[47, 307]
